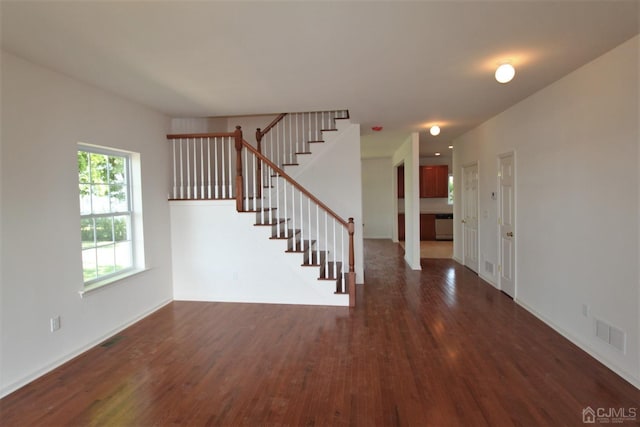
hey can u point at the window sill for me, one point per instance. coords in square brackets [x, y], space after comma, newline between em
[94, 287]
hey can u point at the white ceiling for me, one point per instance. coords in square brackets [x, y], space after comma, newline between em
[401, 65]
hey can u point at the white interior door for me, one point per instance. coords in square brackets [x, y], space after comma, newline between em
[470, 216]
[506, 224]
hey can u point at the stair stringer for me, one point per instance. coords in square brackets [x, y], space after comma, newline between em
[219, 254]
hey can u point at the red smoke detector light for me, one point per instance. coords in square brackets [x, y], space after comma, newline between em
[376, 128]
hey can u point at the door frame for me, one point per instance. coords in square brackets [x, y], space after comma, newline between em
[475, 163]
[500, 156]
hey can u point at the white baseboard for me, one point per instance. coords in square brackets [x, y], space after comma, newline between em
[583, 346]
[61, 361]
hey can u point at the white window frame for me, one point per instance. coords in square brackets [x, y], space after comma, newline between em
[133, 211]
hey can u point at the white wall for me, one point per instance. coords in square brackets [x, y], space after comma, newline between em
[44, 116]
[220, 255]
[577, 194]
[377, 198]
[408, 154]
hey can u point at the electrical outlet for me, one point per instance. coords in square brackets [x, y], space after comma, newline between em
[55, 323]
[585, 310]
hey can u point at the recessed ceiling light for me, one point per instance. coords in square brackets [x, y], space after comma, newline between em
[505, 73]
[435, 130]
[437, 154]
[451, 146]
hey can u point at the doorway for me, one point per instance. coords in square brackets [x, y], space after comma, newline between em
[470, 216]
[506, 224]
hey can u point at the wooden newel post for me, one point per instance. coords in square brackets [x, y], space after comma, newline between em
[351, 275]
[239, 186]
[259, 166]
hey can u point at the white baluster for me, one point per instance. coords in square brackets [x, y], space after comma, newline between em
[215, 168]
[297, 136]
[254, 182]
[309, 225]
[301, 222]
[181, 172]
[326, 243]
[208, 167]
[277, 159]
[291, 150]
[318, 243]
[335, 251]
[245, 173]
[342, 256]
[231, 168]
[286, 214]
[188, 173]
[223, 174]
[269, 190]
[202, 168]
[278, 204]
[293, 215]
[195, 168]
[175, 167]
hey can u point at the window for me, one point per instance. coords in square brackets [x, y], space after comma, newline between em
[106, 213]
[450, 200]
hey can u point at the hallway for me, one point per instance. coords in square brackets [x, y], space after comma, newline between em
[438, 347]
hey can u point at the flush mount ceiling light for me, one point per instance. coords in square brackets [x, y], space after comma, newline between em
[451, 146]
[505, 73]
[435, 130]
[437, 154]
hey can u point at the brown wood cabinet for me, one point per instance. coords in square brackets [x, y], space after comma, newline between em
[434, 181]
[401, 182]
[427, 227]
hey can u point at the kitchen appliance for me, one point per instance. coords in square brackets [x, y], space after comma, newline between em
[444, 226]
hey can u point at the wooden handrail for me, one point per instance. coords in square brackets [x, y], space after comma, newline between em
[295, 183]
[351, 275]
[239, 180]
[201, 135]
[270, 125]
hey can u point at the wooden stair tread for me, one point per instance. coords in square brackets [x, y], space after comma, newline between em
[328, 130]
[275, 222]
[260, 210]
[315, 142]
[290, 164]
[303, 152]
[305, 248]
[291, 232]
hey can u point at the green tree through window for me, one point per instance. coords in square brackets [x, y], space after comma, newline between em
[105, 209]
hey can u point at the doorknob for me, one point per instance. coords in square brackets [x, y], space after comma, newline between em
[510, 234]
[463, 221]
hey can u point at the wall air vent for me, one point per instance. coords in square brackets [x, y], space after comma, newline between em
[488, 267]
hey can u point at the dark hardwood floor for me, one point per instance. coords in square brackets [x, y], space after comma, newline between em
[438, 347]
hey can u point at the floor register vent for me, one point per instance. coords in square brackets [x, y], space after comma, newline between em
[611, 335]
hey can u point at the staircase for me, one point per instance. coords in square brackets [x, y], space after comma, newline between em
[223, 166]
